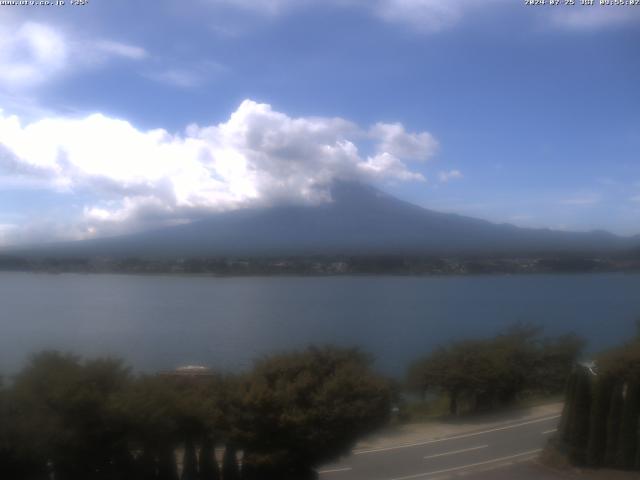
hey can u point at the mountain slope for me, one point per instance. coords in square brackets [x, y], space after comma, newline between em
[359, 220]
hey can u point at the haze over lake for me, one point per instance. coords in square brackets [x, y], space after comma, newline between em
[158, 322]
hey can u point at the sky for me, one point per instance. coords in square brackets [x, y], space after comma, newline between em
[118, 116]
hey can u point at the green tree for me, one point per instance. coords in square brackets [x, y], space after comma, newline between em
[167, 467]
[623, 364]
[17, 457]
[613, 423]
[628, 439]
[557, 357]
[481, 374]
[230, 470]
[579, 418]
[162, 412]
[567, 410]
[601, 419]
[189, 462]
[596, 446]
[64, 407]
[207, 464]
[302, 409]
[464, 371]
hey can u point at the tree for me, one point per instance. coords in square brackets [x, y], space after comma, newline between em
[17, 458]
[596, 446]
[467, 371]
[602, 410]
[556, 359]
[189, 462]
[64, 407]
[207, 464]
[165, 411]
[167, 468]
[149, 407]
[623, 364]
[92, 420]
[230, 470]
[628, 439]
[579, 417]
[301, 409]
[481, 374]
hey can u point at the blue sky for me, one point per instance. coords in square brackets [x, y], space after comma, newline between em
[119, 116]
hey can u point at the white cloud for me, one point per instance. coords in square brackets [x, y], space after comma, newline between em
[393, 139]
[433, 16]
[444, 177]
[582, 200]
[257, 157]
[595, 17]
[117, 49]
[429, 15]
[35, 53]
[6, 232]
[192, 76]
[426, 15]
[388, 165]
[262, 6]
[178, 78]
[31, 54]
[520, 218]
[42, 229]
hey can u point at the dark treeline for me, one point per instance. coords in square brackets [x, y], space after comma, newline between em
[328, 265]
[601, 419]
[495, 372]
[66, 418]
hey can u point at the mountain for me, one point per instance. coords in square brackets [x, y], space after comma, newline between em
[360, 220]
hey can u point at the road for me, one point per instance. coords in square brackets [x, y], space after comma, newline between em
[468, 453]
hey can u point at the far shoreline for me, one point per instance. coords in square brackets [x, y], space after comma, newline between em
[312, 275]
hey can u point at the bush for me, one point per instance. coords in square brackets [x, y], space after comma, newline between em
[484, 374]
[600, 422]
[92, 420]
[306, 408]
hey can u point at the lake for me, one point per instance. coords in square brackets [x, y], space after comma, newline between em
[159, 322]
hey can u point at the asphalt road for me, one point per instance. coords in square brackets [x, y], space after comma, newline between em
[465, 454]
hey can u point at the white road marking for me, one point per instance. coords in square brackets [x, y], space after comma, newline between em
[471, 465]
[456, 437]
[546, 432]
[334, 470]
[455, 451]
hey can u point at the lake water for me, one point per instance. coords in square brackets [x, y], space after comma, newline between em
[158, 322]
